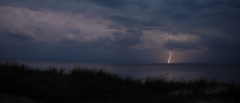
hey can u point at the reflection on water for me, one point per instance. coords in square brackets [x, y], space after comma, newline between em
[221, 72]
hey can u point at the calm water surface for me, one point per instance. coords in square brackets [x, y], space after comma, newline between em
[221, 72]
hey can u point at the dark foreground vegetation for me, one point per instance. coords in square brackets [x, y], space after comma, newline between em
[84, 85]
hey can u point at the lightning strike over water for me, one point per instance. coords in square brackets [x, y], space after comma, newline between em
[169, 57]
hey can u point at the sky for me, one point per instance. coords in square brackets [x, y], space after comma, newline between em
[120, 31]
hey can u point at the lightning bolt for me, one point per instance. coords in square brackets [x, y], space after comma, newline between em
[169, 57]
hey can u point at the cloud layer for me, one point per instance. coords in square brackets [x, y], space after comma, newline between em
[120, 30]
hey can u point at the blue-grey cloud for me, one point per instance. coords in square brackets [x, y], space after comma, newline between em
[116, 26]
[111, 3]
[17, 36]
[133, 22]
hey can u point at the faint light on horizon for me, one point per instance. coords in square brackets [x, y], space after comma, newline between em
[169, 57]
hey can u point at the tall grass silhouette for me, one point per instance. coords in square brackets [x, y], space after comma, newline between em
[88, 85]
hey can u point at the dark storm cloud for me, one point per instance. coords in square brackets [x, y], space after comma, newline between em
[193, 13]
[118, 25]
[53, 5]
[17, 36]
[131, 37]
[179, 45]
[125, 21]
[120, 4]
[211, 42]
[194, 18]
[111, 3]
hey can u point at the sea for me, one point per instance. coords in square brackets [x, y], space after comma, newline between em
[222, 72]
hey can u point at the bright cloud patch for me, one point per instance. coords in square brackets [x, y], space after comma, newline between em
[46, 25]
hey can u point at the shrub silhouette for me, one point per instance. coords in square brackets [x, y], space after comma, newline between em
[89, 85]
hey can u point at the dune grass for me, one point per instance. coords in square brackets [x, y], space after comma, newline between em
[83, 85]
